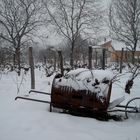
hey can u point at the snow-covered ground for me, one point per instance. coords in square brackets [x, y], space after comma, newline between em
[26, 120]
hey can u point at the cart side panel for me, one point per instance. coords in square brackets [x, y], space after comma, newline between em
[67, 98]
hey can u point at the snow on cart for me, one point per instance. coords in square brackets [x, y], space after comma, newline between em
[84, 92]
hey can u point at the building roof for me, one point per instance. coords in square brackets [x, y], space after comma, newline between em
[117, 46]
[106, 44]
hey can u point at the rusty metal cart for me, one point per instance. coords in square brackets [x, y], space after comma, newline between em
[85, 96]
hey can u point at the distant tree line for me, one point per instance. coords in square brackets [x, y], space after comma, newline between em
[79, 23]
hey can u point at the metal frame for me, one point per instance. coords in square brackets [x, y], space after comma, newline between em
[134, 109]
[36, 100]
[125, 107]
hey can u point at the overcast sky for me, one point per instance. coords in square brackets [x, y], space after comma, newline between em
[54, 39]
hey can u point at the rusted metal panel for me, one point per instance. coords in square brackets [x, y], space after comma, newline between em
[66, 97]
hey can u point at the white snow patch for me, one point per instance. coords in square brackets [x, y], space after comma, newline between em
[25, 120]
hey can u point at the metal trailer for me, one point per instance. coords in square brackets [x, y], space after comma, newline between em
[85, 102]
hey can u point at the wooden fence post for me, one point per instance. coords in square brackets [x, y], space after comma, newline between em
[121, 61]
[90, 57]
[96, 54]
[54, 61]
[31, 63]
[61, 61]
[103, 59]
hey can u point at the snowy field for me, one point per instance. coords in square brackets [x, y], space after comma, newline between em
[26, 120]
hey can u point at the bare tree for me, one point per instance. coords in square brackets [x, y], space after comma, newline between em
[18, 19]
[73, 18]
[124, 16]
